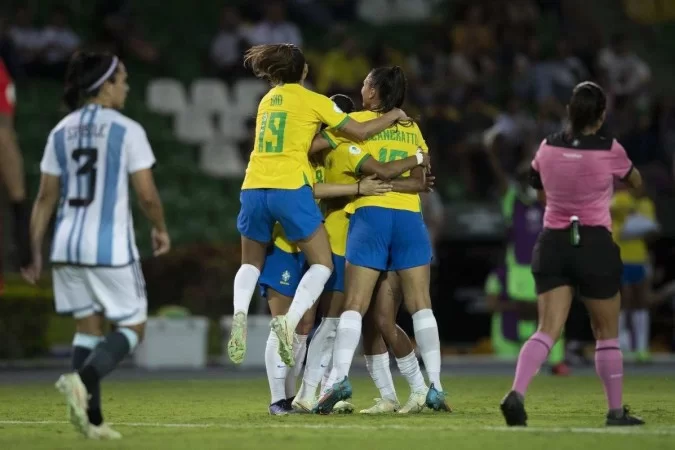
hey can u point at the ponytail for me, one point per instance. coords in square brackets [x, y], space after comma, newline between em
[276, 63]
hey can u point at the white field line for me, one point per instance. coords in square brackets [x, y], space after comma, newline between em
[658, 431]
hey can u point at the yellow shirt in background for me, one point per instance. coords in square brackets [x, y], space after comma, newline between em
[633, 251]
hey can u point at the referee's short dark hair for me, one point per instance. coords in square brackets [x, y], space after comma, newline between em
[586, 106]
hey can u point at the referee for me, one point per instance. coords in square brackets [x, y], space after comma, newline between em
[573, 172]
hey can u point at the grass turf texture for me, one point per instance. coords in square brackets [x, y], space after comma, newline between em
[564, 414]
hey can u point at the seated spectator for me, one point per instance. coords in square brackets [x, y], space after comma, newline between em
[343, 69]
[60, 42]
[27, 39]
[274, 28]
[228, 45]
[120, 33]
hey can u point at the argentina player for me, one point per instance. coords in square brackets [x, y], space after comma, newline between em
[88, 161]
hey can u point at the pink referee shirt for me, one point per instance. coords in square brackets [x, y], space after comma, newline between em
[577, 174]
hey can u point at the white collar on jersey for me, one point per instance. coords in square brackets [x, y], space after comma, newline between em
[106, 75]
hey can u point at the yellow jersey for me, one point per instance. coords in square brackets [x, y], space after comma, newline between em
[288, 118]
[342, 167]
[394, 143]
[278, 236]
[633, 251]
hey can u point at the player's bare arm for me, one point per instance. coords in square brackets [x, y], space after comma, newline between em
[151, 205]
[45, 203]
[11, 162]
[367, 186]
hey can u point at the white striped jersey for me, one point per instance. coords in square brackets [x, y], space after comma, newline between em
[93, 150]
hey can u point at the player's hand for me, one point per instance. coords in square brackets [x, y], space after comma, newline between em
[32, 272]
[429, 183]
[370, 185]
[423, 158]
[401, 116]
[161, 242]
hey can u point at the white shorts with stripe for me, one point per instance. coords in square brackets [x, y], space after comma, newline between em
[117, 292]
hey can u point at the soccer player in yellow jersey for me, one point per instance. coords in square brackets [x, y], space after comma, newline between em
[387, 233]
[345, 164]
[279, 279]
[285, 263]
[276, 187]
[633, 220]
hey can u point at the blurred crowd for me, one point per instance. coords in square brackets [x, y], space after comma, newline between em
[484, 78]
[481, 80]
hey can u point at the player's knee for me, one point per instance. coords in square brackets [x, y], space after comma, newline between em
[386, 328]
[138, 330]
[306, 324]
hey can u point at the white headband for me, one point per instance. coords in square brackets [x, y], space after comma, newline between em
[106, 75]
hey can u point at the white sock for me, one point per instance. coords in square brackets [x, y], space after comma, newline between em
[378, 368]
[276, 369]
[426, 335]
[319, 356]
[310, 288]
[624, 332]
[641, 326]
[299, 351]
[346, 341]
[410, 369]
[245, 282]
[329, 381]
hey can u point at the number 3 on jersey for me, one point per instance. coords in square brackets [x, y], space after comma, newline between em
[86, 158]
[271, 134]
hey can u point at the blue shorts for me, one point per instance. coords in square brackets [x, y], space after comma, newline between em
[336, 282]
[388, 239]
[294, 209]
[633, 273]
[282, 272]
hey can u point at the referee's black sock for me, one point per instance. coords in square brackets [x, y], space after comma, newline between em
[83, 346]
[107, 355]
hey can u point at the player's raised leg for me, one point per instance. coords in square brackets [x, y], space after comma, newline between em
[302, 222]
[255, 226]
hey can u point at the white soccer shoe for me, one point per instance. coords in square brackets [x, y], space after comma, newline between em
[302, 406]
[285, 335]
[75, 393]
[382, 406]
[343, 407]
[236, 347]
[415, 404]
[103, 432]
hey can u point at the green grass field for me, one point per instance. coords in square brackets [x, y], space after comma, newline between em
[564, 414]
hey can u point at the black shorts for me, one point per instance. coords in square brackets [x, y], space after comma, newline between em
[593, 268]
